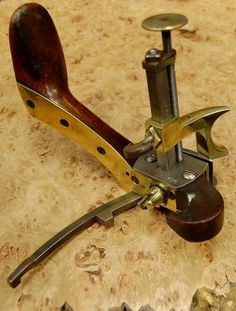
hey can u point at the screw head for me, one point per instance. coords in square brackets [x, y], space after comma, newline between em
[153, 51]
[189, 175]
[164, 22]
[151, 158]
[153, 54]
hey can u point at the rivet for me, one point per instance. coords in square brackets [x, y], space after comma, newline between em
[189, 175]
[151, 158]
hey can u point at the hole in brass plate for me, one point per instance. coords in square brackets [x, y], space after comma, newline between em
[64, 122]
[30, 103]
[135, 180]
[101, 150]
[127, 173]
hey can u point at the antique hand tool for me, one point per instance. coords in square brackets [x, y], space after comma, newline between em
[156, 172]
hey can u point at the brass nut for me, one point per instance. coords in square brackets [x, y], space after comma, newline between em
[156, 197]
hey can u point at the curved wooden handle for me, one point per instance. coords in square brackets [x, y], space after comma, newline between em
[39, 64]
[200, 211]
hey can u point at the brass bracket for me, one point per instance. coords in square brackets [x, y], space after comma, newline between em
[167, 135]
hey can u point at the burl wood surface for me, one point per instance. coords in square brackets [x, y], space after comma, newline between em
[46, 181]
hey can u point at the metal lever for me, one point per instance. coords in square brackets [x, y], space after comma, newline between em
[103, 214]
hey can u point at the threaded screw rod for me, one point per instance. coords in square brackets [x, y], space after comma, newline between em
[167, 47]
[165, 23]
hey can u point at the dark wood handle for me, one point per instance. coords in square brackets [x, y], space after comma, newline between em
[200, 211]
[39, 64]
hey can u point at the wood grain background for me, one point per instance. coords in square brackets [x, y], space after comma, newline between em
[46, 181]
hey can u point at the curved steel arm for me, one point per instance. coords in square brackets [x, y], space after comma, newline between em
[103, 214]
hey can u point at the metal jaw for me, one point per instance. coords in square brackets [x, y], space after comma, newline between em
[166, 162]
[156, 171]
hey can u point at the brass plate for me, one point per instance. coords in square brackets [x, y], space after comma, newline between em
[56, 116]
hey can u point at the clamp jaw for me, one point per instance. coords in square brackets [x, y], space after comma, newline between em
[156, 172]
[177, 174]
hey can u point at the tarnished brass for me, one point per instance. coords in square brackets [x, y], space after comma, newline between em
[156, 138]
[158, 196]
[164, 22]
[155, 197]
[53, 114]
[199, 122]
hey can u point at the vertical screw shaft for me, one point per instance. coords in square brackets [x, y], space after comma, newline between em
[166, 41]
[167, 46]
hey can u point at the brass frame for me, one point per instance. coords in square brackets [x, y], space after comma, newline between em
[167, 135]
[51, 113]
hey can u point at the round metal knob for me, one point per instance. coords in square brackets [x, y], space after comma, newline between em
[164, 22]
